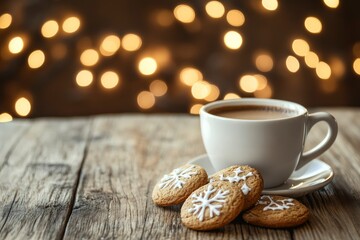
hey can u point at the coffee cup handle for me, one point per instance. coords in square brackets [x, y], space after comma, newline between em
[325, 144]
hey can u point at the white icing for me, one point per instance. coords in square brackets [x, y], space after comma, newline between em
[277, 204]
[203, 201]
[176, 178]
[236, 178]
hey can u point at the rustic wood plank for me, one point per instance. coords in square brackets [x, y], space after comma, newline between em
[336, 209]
[126, 156]
[39, 179]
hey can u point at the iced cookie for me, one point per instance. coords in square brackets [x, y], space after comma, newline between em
[248, 179]
[212, 206]
[175, 187]
[277, 212]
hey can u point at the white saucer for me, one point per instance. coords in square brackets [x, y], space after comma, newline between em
[311, 177]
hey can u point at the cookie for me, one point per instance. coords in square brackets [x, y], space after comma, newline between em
[248, 179]
[175, 187]
[212, 206]
[277, 212]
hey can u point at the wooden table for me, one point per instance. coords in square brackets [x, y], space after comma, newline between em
[92, 178]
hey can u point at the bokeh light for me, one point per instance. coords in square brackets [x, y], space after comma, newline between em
[109, 45]
[147, 66]
[145, 100]
[131, 42]
[323, 70]
[311, 59]
[5, 117]
[84, 78]
[184, 13]
[158, 88]
[49, 29]
[22, 106]
[235, 18]
[16, 45]
[356, 66]
[262, 81]
[264, 62]
[36, 59]
[248, 83]
[89, 57]
[200, 89]
[229, 96]
[71, 24]
[313, 24]
[109, 79]
[332, 3]
[267, 92]
[5, 20]
[195, 109]
[215, 9]
[337, 67]
[292, 64]
[164, 18]
[233, 40]
[270, 5]
[300, 47]
[190, 75]
[214, 93]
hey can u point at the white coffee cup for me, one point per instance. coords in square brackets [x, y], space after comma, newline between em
[273, 146]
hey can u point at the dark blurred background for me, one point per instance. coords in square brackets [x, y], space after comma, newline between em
[70, 58]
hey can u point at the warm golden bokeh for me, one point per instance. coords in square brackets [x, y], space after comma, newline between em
[214, 93]
[49, 29]
[190, 75]
[147, 66]
[233, 40]
[109, 79]
[16, 45]
[356, 66]
[264, 62]
[262, 81]
[200, 89]
[215, 9]
[292, 64]
[267, 92]
[248, 83]
[323, 70]
[195, 109]
[109, 45]
[131, 42]
[22, 106]
[5, 117]
[164, 18]
[158, 88]
[313, 24]
[229, 96]
[184, 13]
[89, 57]
[36, 59]
[71, 24]
[300, 47]
[332, 3]
[270, 5]
[84, 78]
[145, 100]
[235, 18]
[5, 20]
[311, 59]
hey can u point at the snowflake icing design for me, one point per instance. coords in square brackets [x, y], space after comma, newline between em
[203, 201]
[277, 204]
[176, 178]
[236, 178]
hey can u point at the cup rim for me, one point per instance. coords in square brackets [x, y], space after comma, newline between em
[301, 110]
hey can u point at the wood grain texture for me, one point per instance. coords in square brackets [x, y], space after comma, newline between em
[113, 163]
[39, 178]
